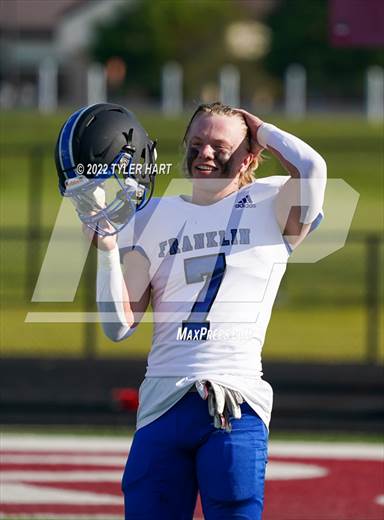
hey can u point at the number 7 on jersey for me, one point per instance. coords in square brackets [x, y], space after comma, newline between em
[212, 269]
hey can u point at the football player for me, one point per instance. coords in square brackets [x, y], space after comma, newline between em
[210, 264]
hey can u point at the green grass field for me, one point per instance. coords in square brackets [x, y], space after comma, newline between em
[320, 312]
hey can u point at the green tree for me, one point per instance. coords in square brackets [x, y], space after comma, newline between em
[300, 35]
[149, 33]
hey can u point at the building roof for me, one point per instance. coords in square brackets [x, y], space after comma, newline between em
[33, 15]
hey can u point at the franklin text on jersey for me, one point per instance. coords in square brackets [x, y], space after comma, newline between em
[214, 271]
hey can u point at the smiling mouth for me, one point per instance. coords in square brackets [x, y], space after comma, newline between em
[205, 168]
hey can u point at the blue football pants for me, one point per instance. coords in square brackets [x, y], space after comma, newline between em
[181, 453]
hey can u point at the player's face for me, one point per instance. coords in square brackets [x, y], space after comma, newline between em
[217, 147]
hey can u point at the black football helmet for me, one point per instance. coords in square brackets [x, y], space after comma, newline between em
[104, 161]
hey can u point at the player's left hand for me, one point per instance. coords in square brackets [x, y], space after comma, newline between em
[104, 243]
[253, 123]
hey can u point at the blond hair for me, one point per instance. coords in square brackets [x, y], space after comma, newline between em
[220, 109]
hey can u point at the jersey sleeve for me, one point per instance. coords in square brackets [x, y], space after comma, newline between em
[277, 181]
[274, 181]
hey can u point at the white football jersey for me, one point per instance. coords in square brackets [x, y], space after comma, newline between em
[215, 271]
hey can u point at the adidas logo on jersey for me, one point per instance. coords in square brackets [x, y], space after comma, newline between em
[245, 202]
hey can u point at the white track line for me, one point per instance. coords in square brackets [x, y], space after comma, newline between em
[60, 516]
[61, 476]
[321, 450]
[293, 470]
[275, 471]
[81, 459]
[23, 493]
[327, 450]
[34, 441]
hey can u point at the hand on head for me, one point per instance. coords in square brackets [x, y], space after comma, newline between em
[253, 123]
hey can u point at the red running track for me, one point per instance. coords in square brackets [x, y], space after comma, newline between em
[82, 479]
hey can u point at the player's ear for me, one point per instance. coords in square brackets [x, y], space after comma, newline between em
[246, 162]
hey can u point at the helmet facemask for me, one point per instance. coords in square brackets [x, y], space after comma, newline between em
[106, 202]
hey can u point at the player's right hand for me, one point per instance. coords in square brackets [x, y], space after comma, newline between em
[253, 123]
